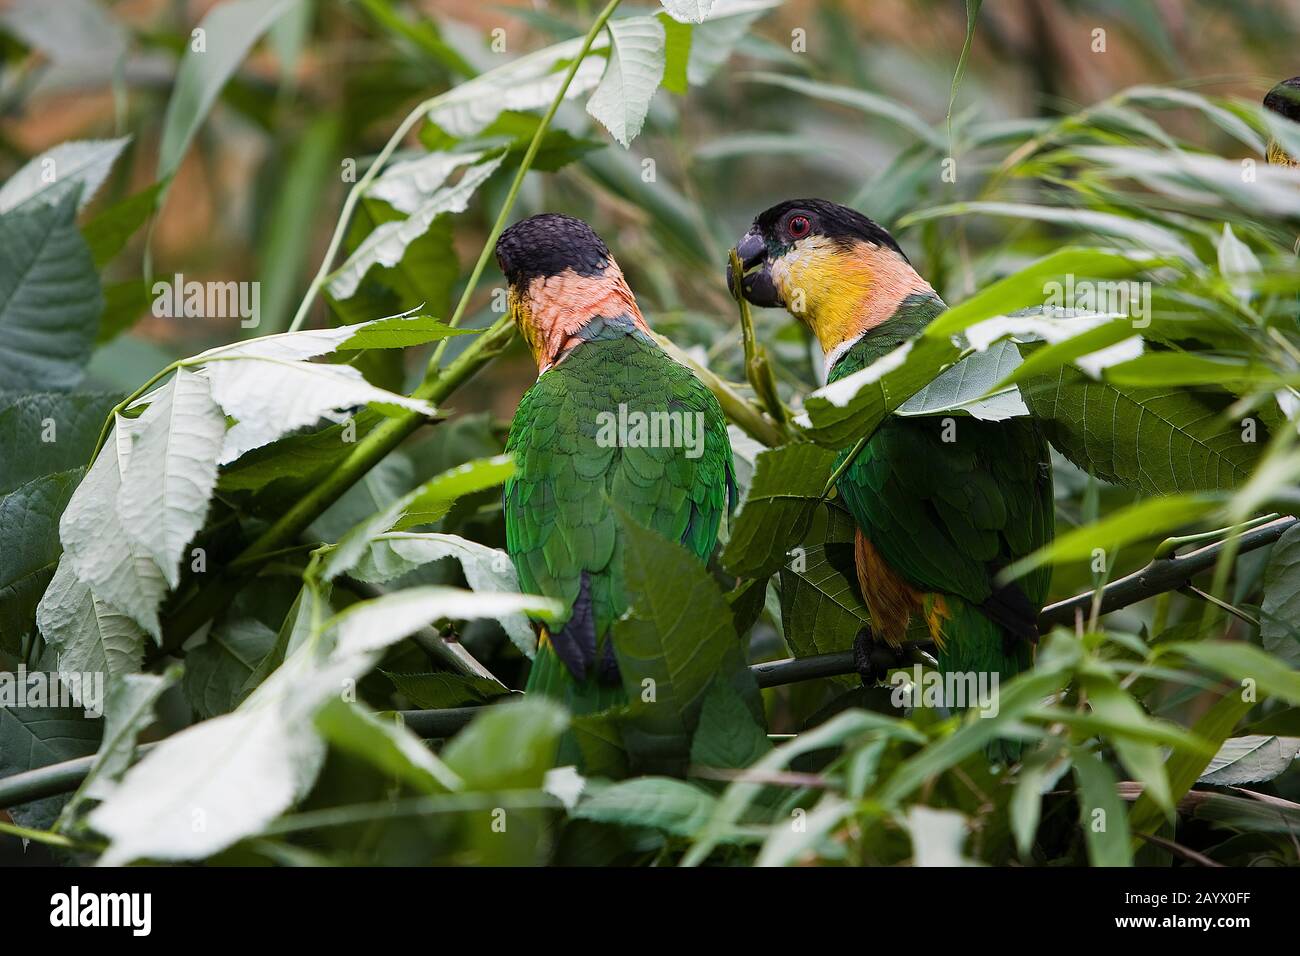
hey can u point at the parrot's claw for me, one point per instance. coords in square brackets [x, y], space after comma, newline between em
[872, 659]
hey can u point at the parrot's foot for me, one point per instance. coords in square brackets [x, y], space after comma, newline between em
[874, 660]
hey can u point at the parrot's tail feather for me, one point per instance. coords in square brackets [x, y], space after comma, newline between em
[979, 645]
[1012, 610]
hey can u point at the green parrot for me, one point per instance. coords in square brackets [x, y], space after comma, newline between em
[941, 504]
[611, 421]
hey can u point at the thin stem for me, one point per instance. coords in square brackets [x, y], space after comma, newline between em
[489, 246]
[350, 205]
[125, 403]
[438, 383]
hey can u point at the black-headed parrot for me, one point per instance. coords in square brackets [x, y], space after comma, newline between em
[611, 421]
[941, 507]
[1284, 100]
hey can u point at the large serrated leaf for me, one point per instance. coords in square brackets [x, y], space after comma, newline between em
[55, 431]
[677, 633]
[29, 517]
[49, 297]
[636, 65]
[1251, 759]
[49, 177]
[166, 488]
[1157, 440]
[1279, 614]
[387, 244]
[87, 634]
[787, 486]
[227, 33]
[98, 547]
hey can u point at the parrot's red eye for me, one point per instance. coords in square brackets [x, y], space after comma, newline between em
[798, 227]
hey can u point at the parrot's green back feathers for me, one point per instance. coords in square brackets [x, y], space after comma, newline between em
[578, 454]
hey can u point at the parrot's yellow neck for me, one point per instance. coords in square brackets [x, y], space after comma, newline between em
[551, 311]
[844, 293]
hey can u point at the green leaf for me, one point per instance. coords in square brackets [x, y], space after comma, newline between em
[1142, 235]
[229, 31]
[1185, 766]
[636, 65]
[509, 746]
[787, 843]
[30, 516]
[217, 671]
[845, 410]
[97, 546]
[165, 489]
[270, 397]
[32, 737]
[677, 53]
[786, 489]
[436, 691]
[660, 803]
[387, 244]
[1102, 814]
[108, 232]
[820, 605]
[1038, 774]
[872, 104]
[741, 794]
[727, 735]
[1029, 286]
[1242, 662]
[423, 505]
[125, 303]
[1144, 761]
[49, 297]
[80, 166]
[1017, 697]
[486, 570]
[1251, 759]
[54, 431]
[972, 387]
[376, 623]
[1279, 614]
[713, 40]
[1136, 522]
[401, 331]
[88, 635]
[286, 238]
[688, 11]
[128, 712]
[1157, 440]
[527, 83]
[389, 746]
[658, 640]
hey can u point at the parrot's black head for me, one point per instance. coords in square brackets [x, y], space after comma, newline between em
[827, 264]
[547, 245]
[562, 278]
[1284, 100]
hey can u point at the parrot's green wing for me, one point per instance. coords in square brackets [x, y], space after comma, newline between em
[577, 454]
[948, 502]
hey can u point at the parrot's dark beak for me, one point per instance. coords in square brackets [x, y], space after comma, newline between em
[756, 282]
